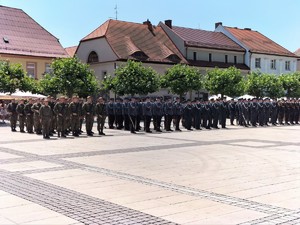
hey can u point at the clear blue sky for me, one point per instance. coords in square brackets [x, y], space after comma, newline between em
[71, 20]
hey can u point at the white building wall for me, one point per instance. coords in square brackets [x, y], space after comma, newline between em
[100, 46]
[280, 64]
[217, 55]
[179, 43]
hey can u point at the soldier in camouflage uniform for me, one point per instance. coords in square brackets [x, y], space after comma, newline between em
[46, 119]
[88, 109]
[61, 110]
[101, 114]
[36, 117]
[75, 110]
[29, 116]
[21, 115]
[12, 110]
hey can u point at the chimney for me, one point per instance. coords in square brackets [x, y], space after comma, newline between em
[169, 23]
[149, 24]
[218, 24]
[247, 28]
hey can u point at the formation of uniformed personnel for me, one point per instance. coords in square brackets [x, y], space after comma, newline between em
[126, 114]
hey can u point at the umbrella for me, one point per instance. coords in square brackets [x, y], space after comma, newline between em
[219, 96]
[21, 94]
[246, 97]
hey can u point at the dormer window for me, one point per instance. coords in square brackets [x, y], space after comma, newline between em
[93, 57]
[173, 58]
[139, 55]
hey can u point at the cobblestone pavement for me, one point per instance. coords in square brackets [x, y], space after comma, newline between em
[234, 176]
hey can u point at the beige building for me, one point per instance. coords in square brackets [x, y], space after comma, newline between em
[298, 61]
[24, 41]
[115, 42]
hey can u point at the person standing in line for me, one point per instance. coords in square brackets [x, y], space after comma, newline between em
[101, 114]
[46, 118]
[158, 112]
[36, 116]
[111, 113]
[147, 113]
[118, 114]
[21, 115]
[223, 113]
[231, 109]
[12, 110]
[29, 116]
[133, 113]
[125, 114]
[75, 110]
[60, 110]
[88, 109]
[168, 110]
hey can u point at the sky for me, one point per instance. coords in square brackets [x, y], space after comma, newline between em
[71, 20]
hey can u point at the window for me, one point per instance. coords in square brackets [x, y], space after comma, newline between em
[226, 58]
[48, 68]
[93, 57]
[139, 55]
[195, 56]
[257, 63]
[287, 65]
[103, 74]
[173, 58]
[273, 64]
[31, 69]
[235, 59]
[209, 57]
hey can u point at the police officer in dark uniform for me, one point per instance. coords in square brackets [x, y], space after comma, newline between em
[223, 113]
[274, 112]
[118, 114]
[147, 113]
[197, 111]
[188, 115]
[177, 113]
[215, 113]
[125, 113]
[158, 112]
[254, 111]
[231, 109]
[111, 114]
[133, 113]
[206, 113]
[168, 110]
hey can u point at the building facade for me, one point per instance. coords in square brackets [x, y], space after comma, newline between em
[206, 49]
[298, 60]
[24, 41]
[262, 54]
[115, 42]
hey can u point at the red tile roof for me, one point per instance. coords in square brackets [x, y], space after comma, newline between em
[126, 38]
[297, 52]
[206, 39]
[71, 50]
[258, 43]
[25, 36]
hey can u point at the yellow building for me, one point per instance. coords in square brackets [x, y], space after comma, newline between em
[24, 41]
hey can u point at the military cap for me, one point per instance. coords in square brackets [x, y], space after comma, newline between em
[88, 97]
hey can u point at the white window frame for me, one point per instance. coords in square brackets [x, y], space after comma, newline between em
[288, 65]
[30, 66]
[273, 64]
[48, 68]
[257, 62]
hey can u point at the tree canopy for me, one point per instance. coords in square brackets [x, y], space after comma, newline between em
[13, 77]
[133, 78]
[291, 84]
[69, 76]
[181, 79]
[225, 81]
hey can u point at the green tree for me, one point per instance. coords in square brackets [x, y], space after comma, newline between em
[291, 84]
[133, 78]
[13, 77]
[69, 76]
[262, 84]
[225, 81]
[181, 79]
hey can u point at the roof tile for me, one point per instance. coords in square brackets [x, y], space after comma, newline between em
[206, 39]
[25, 36]
[258, 43]
[126, 38]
